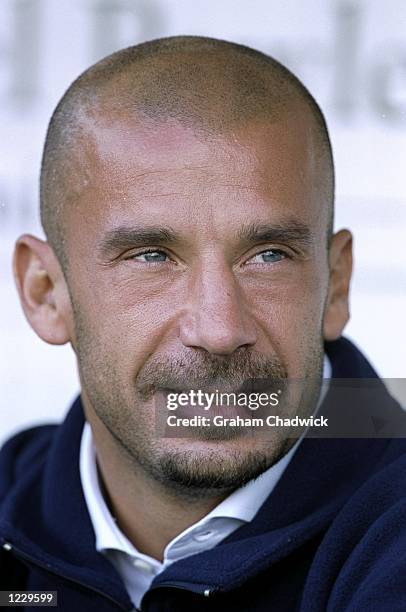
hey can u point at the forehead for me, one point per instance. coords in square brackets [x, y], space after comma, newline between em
[155, 169]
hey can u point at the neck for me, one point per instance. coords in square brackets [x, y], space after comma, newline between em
[146, 512]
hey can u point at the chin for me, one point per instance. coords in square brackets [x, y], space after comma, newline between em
[199, 466]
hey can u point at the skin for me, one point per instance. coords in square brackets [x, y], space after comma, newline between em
[213, 303]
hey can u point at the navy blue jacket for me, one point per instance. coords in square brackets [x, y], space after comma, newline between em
[331, 536]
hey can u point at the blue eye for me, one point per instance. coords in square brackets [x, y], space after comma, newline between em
[151, 256]
[269, 256]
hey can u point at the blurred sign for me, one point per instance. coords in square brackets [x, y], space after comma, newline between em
[356, 72]
[350, 53]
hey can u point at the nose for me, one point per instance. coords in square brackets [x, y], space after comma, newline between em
[217, 317]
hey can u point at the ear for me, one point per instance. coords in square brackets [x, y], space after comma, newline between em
[336, 312]
[42, 289]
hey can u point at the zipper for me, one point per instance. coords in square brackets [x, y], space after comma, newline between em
[19, 553]
[207, 592]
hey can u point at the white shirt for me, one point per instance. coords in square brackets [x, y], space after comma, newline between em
[137, 569]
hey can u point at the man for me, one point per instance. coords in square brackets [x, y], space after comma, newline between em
[187, 194]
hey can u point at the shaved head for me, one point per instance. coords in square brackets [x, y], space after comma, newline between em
[208, 85]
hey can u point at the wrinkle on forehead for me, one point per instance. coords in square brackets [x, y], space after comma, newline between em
[155, 147]
[129, 166]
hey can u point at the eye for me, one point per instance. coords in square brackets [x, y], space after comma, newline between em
[150, 257]
[268, 256]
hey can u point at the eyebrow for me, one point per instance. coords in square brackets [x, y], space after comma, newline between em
[121, 238]
[290, 231]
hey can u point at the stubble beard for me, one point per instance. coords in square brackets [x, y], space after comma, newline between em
[185, 468]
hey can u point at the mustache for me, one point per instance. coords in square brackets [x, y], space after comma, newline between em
[208, 372]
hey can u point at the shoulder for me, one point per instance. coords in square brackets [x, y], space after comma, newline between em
[373, 575]
[21, 456]
[21, 452]
[362, 556]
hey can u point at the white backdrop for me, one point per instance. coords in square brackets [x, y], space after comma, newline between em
[352, 56]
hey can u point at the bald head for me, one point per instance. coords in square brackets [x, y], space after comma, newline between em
[208, 85]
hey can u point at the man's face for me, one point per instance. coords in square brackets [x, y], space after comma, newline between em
[195, 260]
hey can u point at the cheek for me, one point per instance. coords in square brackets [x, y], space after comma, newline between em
[129, 319]
[288, 297]
[289, 310]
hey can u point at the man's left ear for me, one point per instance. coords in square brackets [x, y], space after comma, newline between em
[42, 289]
[337, 312]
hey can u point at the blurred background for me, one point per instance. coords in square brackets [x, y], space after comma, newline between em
[350, 54]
